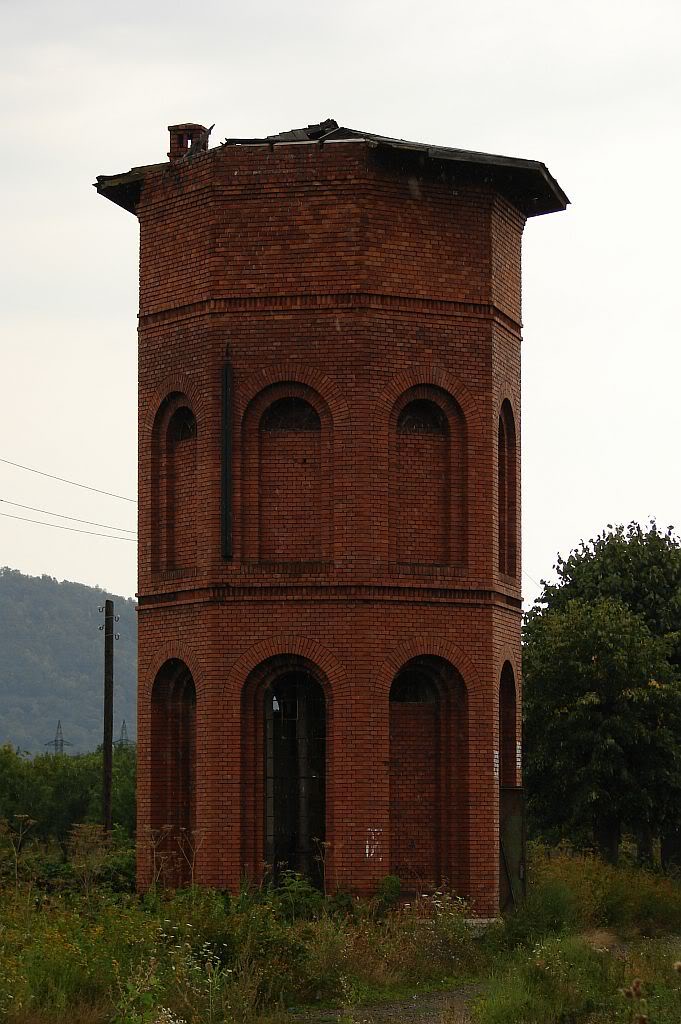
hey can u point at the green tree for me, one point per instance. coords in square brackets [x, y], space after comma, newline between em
[60, 791]
[602, 719]
[639, 566]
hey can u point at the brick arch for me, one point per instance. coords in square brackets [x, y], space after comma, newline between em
[293, 373]
[433, 376]
[168, 652]
[169, 769]
[296, 525]
[509, 724]
[288, 644]
[247, 681]
[436, 531]
[431, 746]
[178, 383]
[507, 490]
[167, 541]
[427, 478]
[505, 654]
[506, 399]
[424, 646]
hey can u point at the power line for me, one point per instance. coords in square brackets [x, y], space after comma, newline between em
[71, 529]
[525, 573]
[60, 515]
[63, 480]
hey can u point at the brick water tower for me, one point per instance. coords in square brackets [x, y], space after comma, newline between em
[329, 526]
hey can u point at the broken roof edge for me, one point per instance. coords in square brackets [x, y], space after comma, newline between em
[124, 188]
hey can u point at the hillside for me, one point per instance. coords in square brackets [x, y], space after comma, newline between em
[51, 662]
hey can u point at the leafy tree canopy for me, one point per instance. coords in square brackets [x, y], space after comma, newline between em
[58, 791]
[639, 566]
[602, 695]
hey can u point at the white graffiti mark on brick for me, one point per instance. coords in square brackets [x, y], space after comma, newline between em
[373, 848]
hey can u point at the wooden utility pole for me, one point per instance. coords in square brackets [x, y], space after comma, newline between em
[107, 817]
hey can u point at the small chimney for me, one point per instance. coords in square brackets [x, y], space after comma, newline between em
[185, 137]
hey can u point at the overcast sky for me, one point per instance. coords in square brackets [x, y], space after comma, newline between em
[591, 88]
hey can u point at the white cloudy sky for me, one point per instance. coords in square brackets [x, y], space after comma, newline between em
[592, 88]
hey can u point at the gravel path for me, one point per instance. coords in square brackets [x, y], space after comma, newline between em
[421, 1009]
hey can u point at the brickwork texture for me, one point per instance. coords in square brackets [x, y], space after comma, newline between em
[368, 311]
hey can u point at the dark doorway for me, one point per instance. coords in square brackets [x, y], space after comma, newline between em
[295, 775]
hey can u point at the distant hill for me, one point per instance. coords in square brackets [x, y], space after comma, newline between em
[51, 662]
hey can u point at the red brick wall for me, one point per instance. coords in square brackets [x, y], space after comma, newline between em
[331, 275]
[415, 792]
[290, 495]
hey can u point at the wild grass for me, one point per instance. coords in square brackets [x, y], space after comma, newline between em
[197, 955]
[592, 943]
[76, 946]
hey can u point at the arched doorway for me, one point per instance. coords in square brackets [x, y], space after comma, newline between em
[295, 774]
[173, 772]
[511, 803]
[428, 774]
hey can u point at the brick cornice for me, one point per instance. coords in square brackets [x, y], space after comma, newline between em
[332, 301]
[371, 593]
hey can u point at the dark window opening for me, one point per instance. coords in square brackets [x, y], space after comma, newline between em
[413, 687]
[295, 775]
[422, 417]
[506, 491]
[182, 425]
[290, 414]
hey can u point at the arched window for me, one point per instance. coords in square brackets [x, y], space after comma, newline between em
[174, 486]
[507, 491]
[423, 484]
[427, 485]
[284, 747]
[181, 484]
[508, 751]
[291, 513]
[428, 773]
[173, 771]
[511, 842]
[295, 776]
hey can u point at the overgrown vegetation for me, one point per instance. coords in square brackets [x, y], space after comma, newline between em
[80, 946]
[60, 791]
[594, 944]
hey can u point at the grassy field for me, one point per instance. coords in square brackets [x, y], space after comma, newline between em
[592, 944]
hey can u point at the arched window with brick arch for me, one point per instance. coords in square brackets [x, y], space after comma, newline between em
[284, 750]
[511, 809]
[174, 486]
[428, 774]
[508, 748]
[427, 479]
[286, 510]
[173, 771]
[507, 491]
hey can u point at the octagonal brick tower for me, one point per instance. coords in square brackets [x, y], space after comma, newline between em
[329, 526]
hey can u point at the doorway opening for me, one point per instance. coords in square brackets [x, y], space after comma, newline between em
[295, 775]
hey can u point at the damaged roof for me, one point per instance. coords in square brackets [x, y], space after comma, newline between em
[528, 184]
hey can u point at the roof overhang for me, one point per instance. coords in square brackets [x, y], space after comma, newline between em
[527, 184]
[124, 189]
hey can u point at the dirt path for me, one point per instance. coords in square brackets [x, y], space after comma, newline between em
[421, 1009]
